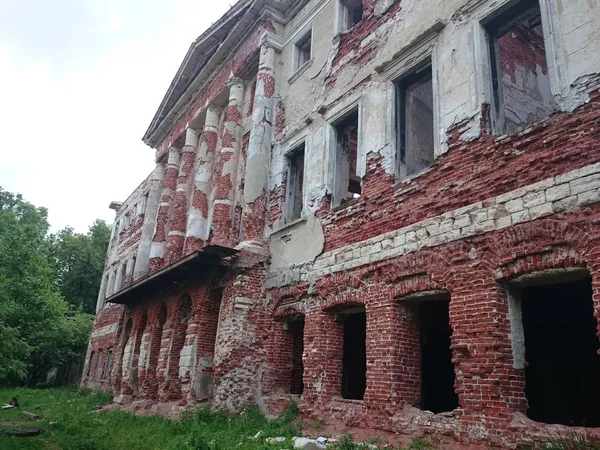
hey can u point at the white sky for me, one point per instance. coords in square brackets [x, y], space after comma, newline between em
[80, 81]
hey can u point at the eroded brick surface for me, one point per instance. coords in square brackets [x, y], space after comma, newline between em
[208, 281]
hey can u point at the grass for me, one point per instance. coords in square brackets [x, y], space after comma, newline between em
[72, 425]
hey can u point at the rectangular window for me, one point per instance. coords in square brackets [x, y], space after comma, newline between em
[294, 342]
[90, 364]
[520, 81]
[437, 370]
[351, 13]
[554, 342]
[347, 182]
[415, 121]
[123, 276]
[108, 365]
[354, 369]
[303, 50]
[99, 367]
[295, 184]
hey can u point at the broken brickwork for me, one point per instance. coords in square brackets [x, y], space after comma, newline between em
[392, 281]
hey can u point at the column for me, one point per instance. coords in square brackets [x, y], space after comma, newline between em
[176, 238]
[198, 221]
[259, 149]
[226, 167]
[157, 249]
[142, 261]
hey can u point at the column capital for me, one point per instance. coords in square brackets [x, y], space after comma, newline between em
[158, 174]
[213, 108]
[191, 137]
[273, 41]
[174, 154]
[235, 81]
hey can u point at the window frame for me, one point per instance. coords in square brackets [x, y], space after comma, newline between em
[494, 25]
[291, 191]
[306, 37]
[416, 73]
[334, 124]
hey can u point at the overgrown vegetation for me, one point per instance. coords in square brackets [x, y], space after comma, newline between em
[72, 424]
[48, 286]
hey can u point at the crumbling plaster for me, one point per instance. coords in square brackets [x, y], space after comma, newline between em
[459, 54]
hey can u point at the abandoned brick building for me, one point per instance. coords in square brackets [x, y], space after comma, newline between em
[388, 210]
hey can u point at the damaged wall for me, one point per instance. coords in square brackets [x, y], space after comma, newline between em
[490, 207]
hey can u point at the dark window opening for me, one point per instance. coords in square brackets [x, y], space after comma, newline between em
[520, 81]
[561, 345]
[437, 370]
[347, 138]
[354, 12]
[295, 330]
[354, 370]
[295, 183]
[123, 276]
[99, 367]
[91, 363]
[108, 365]
[186, 309]
[303, 50]
[415, 122]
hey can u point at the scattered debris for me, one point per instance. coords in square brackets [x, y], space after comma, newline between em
[14, 402]
[7, 406]
[306, 443]
[31, 416]
[275, 440]
[258, 435]
[26, 432]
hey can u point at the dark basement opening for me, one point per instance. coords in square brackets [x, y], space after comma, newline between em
[296, 333]
[437, 370]
[563, 367]
[354, 373]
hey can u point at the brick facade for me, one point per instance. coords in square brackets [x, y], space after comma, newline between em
[228, 301]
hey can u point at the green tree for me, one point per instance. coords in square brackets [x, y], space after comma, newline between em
[38, 329]
[79, 264]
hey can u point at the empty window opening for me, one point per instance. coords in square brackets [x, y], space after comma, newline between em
[108, 365]
[562, 365]
[354, 369]
[91, 363]
[304, 50]
[437, 370]
[99, 367]
[295, 189]
[415, 121]
[123, 276]
[295, 347]
[352, 13]
[520, 81]
[348, 181]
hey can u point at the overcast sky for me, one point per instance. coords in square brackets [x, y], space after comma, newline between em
[80, 81]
